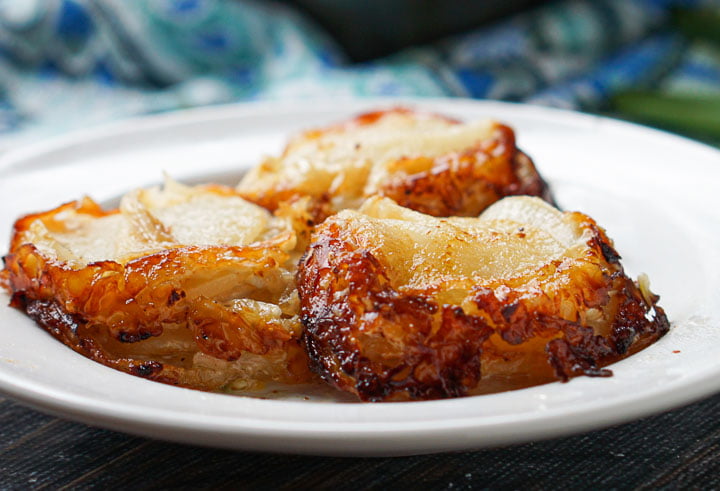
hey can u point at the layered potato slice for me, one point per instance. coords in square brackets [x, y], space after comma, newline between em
[426, 162]
[185, 285]
[399, 305]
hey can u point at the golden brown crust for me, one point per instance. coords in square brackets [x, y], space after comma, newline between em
[413, 348]
[462, 182]
[383, 341]
[160, 313]
[152, 316]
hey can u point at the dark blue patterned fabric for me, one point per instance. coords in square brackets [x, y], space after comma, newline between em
[71, 63]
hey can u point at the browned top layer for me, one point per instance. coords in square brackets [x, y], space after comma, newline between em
[383, 322]
[425, 162]
[199, 315]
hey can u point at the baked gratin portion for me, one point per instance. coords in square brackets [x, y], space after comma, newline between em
[191, 286]
[426, 162]
[399, 305]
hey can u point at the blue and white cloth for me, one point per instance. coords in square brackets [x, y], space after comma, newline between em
[66, 64]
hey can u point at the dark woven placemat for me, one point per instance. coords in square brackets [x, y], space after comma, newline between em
[679, 449]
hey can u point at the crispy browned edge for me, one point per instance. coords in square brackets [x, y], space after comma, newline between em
[83, 308]
[461, 183]
[445, 348]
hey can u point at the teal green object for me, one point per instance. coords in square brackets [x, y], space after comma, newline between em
[67, 64]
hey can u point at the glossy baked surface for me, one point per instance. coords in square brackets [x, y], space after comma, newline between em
[629, 181]
[424, 161]
[190, 286]
[399, 305]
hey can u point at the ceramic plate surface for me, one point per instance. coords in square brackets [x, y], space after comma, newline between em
[657, 195]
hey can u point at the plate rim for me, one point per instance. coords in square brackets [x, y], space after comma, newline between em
[160, 120]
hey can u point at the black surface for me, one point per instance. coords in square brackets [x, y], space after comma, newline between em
[679, 449]
[368, 29]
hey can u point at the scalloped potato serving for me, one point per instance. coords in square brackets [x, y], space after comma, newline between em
[399, 305]
[204, 287]
[423, 161]
[188, 286]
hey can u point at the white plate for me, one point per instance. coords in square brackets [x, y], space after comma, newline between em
[658, 196]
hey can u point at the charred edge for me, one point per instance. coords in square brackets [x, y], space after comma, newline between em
[317, 355]
[63, 326]
[372, 387]
[609, 253]
[568, 361]
[175, 296]
[632, 323]
[50, 316]
[517, 324]
[509, 310]
[662, 324]
[125, 337]
[19, 300]
[146, 369]
[454, 375]
[624, 336]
